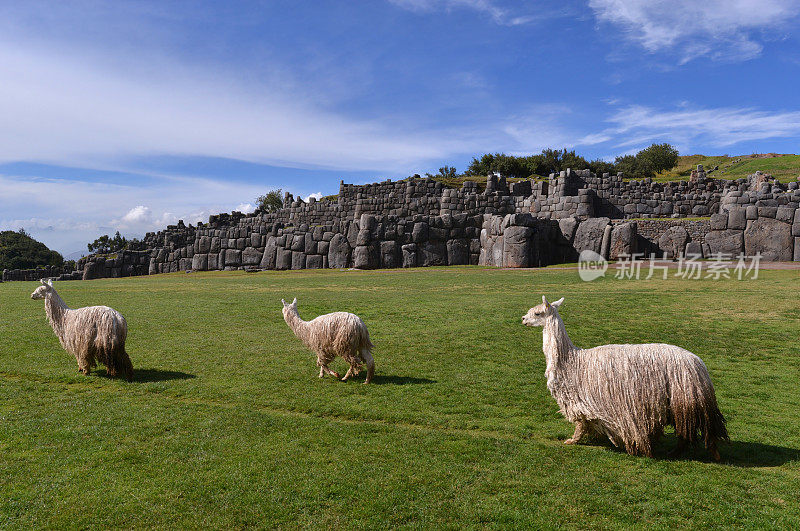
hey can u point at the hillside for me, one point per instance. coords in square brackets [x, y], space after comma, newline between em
[784, 168]
[20, 251]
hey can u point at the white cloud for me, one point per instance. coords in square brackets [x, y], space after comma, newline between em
[315, 195]
[70, 213]
[689, 127]
[499, 15]
[246, 208]
[719, 29]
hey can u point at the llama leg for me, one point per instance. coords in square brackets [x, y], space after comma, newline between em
[348, 374]
[321, 372]
[331, 372]
[580, 430]
[366, 355]
[84, 365]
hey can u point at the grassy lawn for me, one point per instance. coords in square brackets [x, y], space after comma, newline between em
[227, 424]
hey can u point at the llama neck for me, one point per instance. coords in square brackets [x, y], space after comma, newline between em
[555, 341]
[298, 326]
[56, 309]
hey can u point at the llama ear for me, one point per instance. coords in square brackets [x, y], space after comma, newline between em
[544, 301]
[42, 281]
[283, 301]
[294, 302]
[50, 282]
[559, 302]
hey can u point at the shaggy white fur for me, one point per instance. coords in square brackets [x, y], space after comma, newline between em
[89, 334]
[628, 392]
[334, 334]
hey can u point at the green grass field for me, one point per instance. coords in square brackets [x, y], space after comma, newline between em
[227, 424]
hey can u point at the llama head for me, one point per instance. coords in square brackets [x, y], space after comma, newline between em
[289, 307]
[537, 315]
[42, 291]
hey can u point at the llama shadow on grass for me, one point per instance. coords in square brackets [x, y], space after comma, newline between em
[741, 454]
[747, 454]
[154, 375]
[383, 379]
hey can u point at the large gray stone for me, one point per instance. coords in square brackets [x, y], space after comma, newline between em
[719, 221]
[589, 234]
[338, 252]
[623, 240]
[737, 218]
[200, 262]
[268, 258]
[389, 254]
[204, 244]
[365, 257]
[432, 253]
[314, 261]
[284, 259]
[299, 242]
[233, 257]
[457, 252]
[673, 241]
[568, 226]
[251, 256]
[517, 246]
[770, 237]
[730, 242]
[298, 260]
[420, 232]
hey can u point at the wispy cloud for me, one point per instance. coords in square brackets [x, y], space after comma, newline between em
[690, 127]
[499, 15]
[719, 29]
[68, 109]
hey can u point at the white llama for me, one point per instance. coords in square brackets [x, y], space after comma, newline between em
[334, 334]
[89, 334]
[628, 392]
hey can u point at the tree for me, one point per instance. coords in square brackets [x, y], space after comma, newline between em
[104, 244]
[270, 202]
[627, 164]
[657, 158]
[447, 171]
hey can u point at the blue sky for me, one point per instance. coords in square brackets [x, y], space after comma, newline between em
[130, 115]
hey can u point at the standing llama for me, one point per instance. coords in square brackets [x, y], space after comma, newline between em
[89, 334]
[334, 334]
[628, 392]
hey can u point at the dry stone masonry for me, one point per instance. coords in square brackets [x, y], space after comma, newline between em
[420, 222]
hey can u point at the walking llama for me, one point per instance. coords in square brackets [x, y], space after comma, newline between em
[629, 393]
[334, 334]
[94, 333]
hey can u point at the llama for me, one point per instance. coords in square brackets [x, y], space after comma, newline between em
[334, 334]
[628, 393]
[89, 334]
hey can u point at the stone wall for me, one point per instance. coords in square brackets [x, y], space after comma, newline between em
[421, 222]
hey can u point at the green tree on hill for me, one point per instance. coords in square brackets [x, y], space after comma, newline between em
[104, 244]
[269, 202]
[19, 251]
